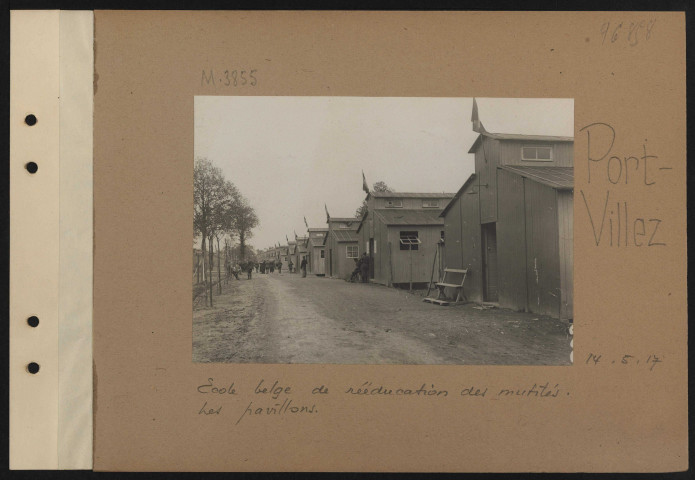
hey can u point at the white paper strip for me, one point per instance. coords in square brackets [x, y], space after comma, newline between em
[76, 235]
[51, 239]
[34, 220]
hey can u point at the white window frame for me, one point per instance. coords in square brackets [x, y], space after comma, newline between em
[430, 203]
[397, 203]
[550, 147]
[411, 241]
[357, 251]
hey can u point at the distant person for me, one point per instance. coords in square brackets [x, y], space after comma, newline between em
[249, 269]
[256, 266]
[303, 267]
[272, 267]
[290, 265]
[279, 265]
[364, 268]
[262, 267]
[235, 271]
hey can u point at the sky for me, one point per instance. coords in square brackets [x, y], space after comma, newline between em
[291, 155]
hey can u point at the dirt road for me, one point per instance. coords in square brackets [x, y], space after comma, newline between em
[288, 319]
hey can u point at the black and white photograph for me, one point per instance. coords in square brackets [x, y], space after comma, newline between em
[383, 230]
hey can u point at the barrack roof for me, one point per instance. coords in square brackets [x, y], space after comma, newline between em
[559, 178]
[518, 136]
[410, 195]
[345, 235]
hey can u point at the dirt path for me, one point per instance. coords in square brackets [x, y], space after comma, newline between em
[289, 319]
[307, 332]
[234, 330]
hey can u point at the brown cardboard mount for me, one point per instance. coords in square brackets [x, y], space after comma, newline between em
[624, 69]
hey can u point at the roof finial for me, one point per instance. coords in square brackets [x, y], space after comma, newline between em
[477, 124]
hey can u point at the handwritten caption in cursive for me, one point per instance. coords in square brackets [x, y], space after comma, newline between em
[278, 399]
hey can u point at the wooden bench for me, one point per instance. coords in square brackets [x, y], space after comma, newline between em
[448, 282]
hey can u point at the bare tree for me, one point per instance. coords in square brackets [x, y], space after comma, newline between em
[214, 199]
[376, 187]
[220, 213]
[245, 220]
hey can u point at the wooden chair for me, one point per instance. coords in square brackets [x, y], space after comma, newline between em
[448, 281]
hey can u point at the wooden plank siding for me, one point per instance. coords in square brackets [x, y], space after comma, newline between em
[486, 160]
[345, 265]
[565, 208]
[532, 224]
[422, 258]
[462, 237]
[542, 248]
[336, 253]
[511, 241]
[381, 257]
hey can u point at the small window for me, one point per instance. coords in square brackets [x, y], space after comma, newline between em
[430, 204]
[394, 203]
[537, 154]
[353, 251]
[409, 240]
[323, 254]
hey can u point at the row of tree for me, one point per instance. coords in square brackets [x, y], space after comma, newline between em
[219, 212]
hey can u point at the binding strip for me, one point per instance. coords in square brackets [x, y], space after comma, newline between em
[50, 317]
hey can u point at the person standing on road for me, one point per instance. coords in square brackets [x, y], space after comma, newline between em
[249, 269]
[279, 267]
[272, 267]
[235, 271]
[364, 268]
[290, 266]
[303, 267]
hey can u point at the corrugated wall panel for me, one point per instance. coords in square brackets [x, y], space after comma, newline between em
[511, 241]
[542, 249]
[345, 265]
[566, 234]
[382, 249]
[487, 158]
[471, 245]
[421, 259]
[453, 251]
